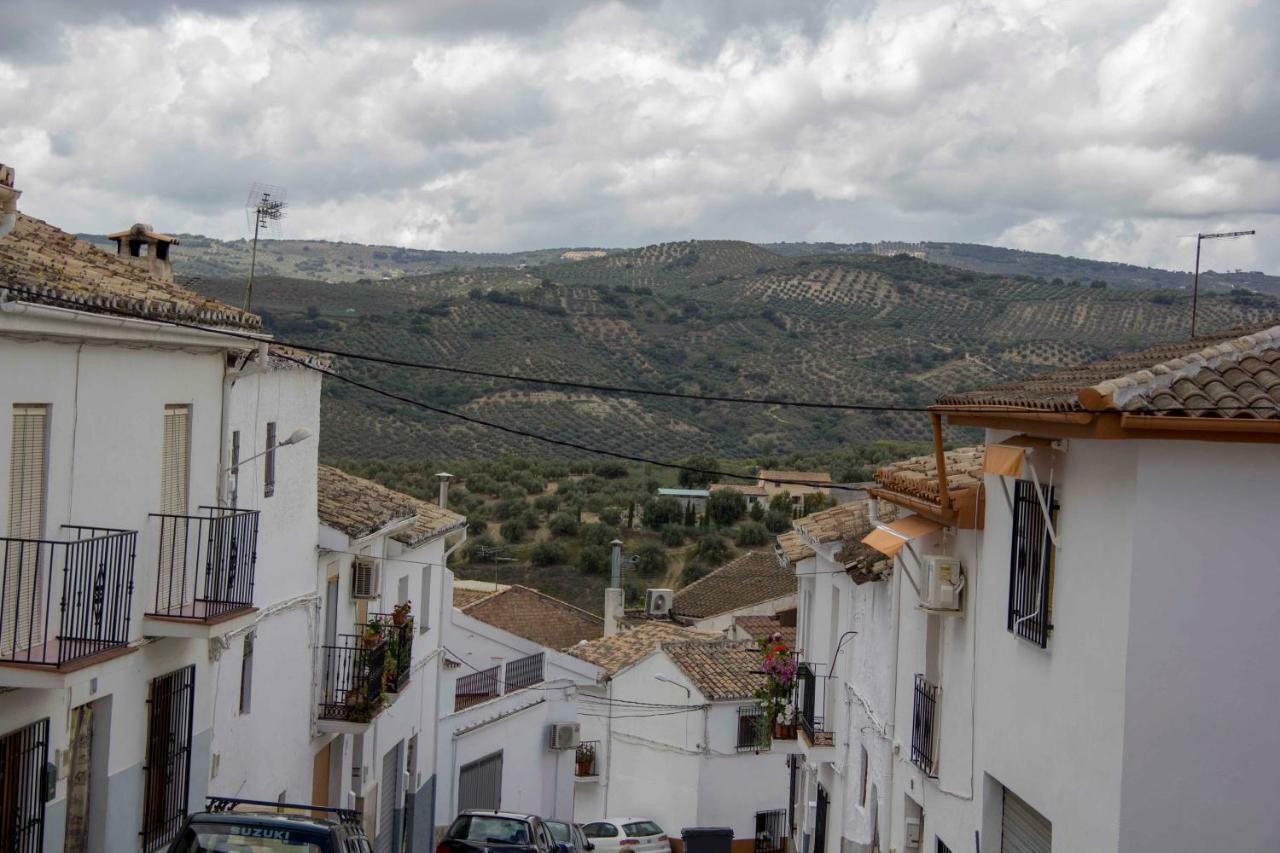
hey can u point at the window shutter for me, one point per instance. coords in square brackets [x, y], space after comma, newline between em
[175, 467]
[269, 465]
[28, 463]
[364, 578]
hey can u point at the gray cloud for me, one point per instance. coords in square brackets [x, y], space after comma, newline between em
[1094, 127]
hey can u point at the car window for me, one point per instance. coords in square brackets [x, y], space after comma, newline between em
[490, 830]
[600, 830]
[229, 838]
[579, 840]
[641, 828]
[559, 831]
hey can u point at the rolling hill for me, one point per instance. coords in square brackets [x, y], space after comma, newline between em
[719, 317]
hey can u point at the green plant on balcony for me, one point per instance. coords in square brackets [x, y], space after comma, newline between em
[585, 759]
[779, 666]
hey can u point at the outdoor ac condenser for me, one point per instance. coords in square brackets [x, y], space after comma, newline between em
[564, 736]
[657, 602]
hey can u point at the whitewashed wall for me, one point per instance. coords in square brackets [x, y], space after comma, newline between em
[723, 622]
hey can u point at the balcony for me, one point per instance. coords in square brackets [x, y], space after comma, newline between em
[353, 682]
[817, 739]
[397, 629]
[204, 573]
[586, 758]
[64, 603]
[923, 707]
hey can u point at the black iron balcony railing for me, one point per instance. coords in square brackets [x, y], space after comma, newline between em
[399, 639]
[354, 674]
[66, 599]
[477, 687]
[205, 563]
[923, 730]
[586, 758]
[523, 672]
[811, 696]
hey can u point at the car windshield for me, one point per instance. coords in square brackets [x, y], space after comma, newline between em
[230, 838]
[559, 831]
[641, 829]
[492, 830]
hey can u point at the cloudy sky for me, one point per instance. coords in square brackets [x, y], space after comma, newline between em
[1105, 128]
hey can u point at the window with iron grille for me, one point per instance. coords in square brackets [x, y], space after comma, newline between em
[1031, 563]
[167, 771]
[23, 791]
[771, 831]
[923, 728]
[269, 464]
[524, 672]
[476, 688]
[751, 733]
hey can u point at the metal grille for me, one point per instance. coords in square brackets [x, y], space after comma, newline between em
[354, 671]
[922, 724]
[399, 649]
[167, 771]
[586, 758]
[480, 784]
[751, 722]
[476, 688]
[23, 756]
[1031, 564]
[820, 821]
[808, 686]
[771, 831]
[86, 581]
[1022, 828]
[793, 768]
[524, 672]
[206, 563]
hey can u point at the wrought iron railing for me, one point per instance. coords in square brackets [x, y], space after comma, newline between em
[586, 760]
[477, 687]
[354, 674]
[771, 831]
[399, 648]
[1031, 563]
[66, 599]
[523, 672]
[205, 563]
[924, 705]
[810, 697]
[752, 733]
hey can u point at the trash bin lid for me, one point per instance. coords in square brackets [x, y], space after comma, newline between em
[706, 831]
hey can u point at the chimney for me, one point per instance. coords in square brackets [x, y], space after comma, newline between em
[8, 200]
[614, 603]
[140, 244]
[444, 479]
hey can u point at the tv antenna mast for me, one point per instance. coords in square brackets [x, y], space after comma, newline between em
[266, 205]
[1195, 287]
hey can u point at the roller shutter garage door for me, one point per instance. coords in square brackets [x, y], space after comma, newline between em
[480, 783]
[1022, 828]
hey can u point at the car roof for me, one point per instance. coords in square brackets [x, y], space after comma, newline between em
[493, 813]
[265, 818]
[622, 820]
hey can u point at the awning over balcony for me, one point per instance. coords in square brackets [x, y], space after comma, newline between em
[1003, 460]
[889, 538]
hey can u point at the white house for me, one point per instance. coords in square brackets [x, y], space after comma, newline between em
[507, 704]
[676, 737]
[379, 630]
[755, 584]
[1095, 668]
[120, 566]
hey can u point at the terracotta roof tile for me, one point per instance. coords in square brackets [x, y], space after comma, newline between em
[50, 266]
[918, 476]
[358, 507]
[793, 548]
[753, 578]
[763, 627]
[530, 614]
[1234, 375]
[720, 669]
[749, 490]
[618, 652]
[814, 478]
[463, 597]
[842, 522]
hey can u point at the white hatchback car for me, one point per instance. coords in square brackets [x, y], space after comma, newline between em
[627, 835]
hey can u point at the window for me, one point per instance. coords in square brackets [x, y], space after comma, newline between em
[167, 773]
[23, 756]
[172, 590]
[28, 462]
[751, 734]
[600, 830]
[246, 674]
[771, 831]
[402, 590]
[269, 464]
[235, 467]
[1031, 563]
[641, 829]
[424, 609]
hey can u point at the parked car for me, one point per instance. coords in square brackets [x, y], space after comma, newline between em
[571, 834]
[627, 835]
[234, 825]
[500, 832]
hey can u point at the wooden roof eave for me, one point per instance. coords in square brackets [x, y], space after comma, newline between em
[967, 510]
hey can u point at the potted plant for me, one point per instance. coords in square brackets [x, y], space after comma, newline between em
[585, 758]
[774, 695]
[400, 614]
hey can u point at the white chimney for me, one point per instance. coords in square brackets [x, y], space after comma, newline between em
[8, 200]
[140, 244]
[444, 488]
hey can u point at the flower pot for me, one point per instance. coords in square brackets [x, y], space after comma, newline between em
[584, 768]
[784, 731]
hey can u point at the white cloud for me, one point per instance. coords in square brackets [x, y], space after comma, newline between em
[1093, 127]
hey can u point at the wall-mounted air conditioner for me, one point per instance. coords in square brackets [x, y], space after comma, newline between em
[943, 583]
[365, 578]
[564, 736]
[657, 602]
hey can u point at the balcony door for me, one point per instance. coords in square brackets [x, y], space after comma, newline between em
[175, 592]
[22, 625]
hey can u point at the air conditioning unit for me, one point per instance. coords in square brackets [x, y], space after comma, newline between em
[564, 736]
[365, 577]
[943, 582]
[657, 602]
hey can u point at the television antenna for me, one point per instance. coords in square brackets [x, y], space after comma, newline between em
[1195, 287]
[265, 205]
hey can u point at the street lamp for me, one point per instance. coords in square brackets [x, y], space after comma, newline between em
[1195, 288]
[298, 435]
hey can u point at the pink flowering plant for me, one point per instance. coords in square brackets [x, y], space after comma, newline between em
[779, 667]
